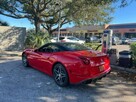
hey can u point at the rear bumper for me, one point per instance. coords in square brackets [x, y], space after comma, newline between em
[87, 81]
[76, 79]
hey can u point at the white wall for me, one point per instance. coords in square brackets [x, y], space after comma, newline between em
[12, 38]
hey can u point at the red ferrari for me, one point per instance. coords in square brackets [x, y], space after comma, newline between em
[68, 63]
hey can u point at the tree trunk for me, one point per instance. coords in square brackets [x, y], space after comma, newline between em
[37, 25]
[50, 32]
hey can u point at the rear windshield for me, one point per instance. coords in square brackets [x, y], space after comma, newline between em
[75, 47]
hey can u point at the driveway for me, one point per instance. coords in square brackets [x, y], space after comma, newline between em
[20, 84]
[121, 47]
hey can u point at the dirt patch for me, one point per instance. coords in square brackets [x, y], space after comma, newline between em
[127, 76]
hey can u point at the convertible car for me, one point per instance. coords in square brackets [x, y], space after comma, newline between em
[68, 63]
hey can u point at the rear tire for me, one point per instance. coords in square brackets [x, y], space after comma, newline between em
[25, 61]
[60, 75]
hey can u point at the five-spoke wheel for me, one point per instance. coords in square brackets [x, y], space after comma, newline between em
[60, 75]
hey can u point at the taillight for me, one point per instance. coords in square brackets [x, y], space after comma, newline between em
[106, 59]
[85, 60]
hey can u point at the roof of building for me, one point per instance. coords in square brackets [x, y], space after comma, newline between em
[119, 26]
[86, 28]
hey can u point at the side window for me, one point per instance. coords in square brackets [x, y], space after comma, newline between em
[50, 48]
[47, 49]
[55, 48]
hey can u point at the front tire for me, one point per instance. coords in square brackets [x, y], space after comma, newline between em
[24, 60]
[60, 75]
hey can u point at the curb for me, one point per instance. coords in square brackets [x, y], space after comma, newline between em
[124, 69]
[9, 55]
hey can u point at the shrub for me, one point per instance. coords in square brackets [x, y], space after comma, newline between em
[35, 40]
[133, 49]
[94, 46]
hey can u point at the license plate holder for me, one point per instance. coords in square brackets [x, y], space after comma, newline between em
[101, 68]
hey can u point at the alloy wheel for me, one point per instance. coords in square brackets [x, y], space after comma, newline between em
[60, 75]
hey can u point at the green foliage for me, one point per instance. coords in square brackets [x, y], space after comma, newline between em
[93, 46]
[133, 49]
[51, 13]
[90, 14]
[35, 40]
[2, 23]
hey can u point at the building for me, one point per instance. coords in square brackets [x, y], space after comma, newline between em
[123, 30]
[127, 30]
[81, 32]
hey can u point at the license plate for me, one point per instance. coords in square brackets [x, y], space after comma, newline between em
[101, 68]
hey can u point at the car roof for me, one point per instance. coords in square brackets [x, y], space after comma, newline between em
[61, 43]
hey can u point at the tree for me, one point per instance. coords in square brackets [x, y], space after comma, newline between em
[49, 13]
[34, 10]
[45, 12]
[92, 14]
[2, 23]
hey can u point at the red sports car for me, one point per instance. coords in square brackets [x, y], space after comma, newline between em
[68, 63]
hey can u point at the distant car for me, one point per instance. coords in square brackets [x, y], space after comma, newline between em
[68, 63]
[116, 41]
[132, 40]
[68, 39]
[124, 40]
[54, 39]
[95, 39]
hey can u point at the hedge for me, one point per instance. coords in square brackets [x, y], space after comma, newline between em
[94, 46]
[133, 49]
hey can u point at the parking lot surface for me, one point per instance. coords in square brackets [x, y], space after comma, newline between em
[121, 47]
[20, 84]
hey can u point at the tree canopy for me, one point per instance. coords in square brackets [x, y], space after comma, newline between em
[49, 13]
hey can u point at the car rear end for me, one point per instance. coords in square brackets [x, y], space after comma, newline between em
[99, 67]
[91, 69]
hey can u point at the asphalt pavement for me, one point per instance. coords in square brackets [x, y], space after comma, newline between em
[21, 84]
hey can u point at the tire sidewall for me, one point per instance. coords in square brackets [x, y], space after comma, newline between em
[24, 56]
[67, 77]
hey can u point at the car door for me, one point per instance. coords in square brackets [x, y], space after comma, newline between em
[47, 59]
[42, 58]
[34, 59]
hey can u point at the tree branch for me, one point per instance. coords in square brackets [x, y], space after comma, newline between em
[45, 5]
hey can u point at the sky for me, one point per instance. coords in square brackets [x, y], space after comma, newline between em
[121, 15]
[125, 15]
